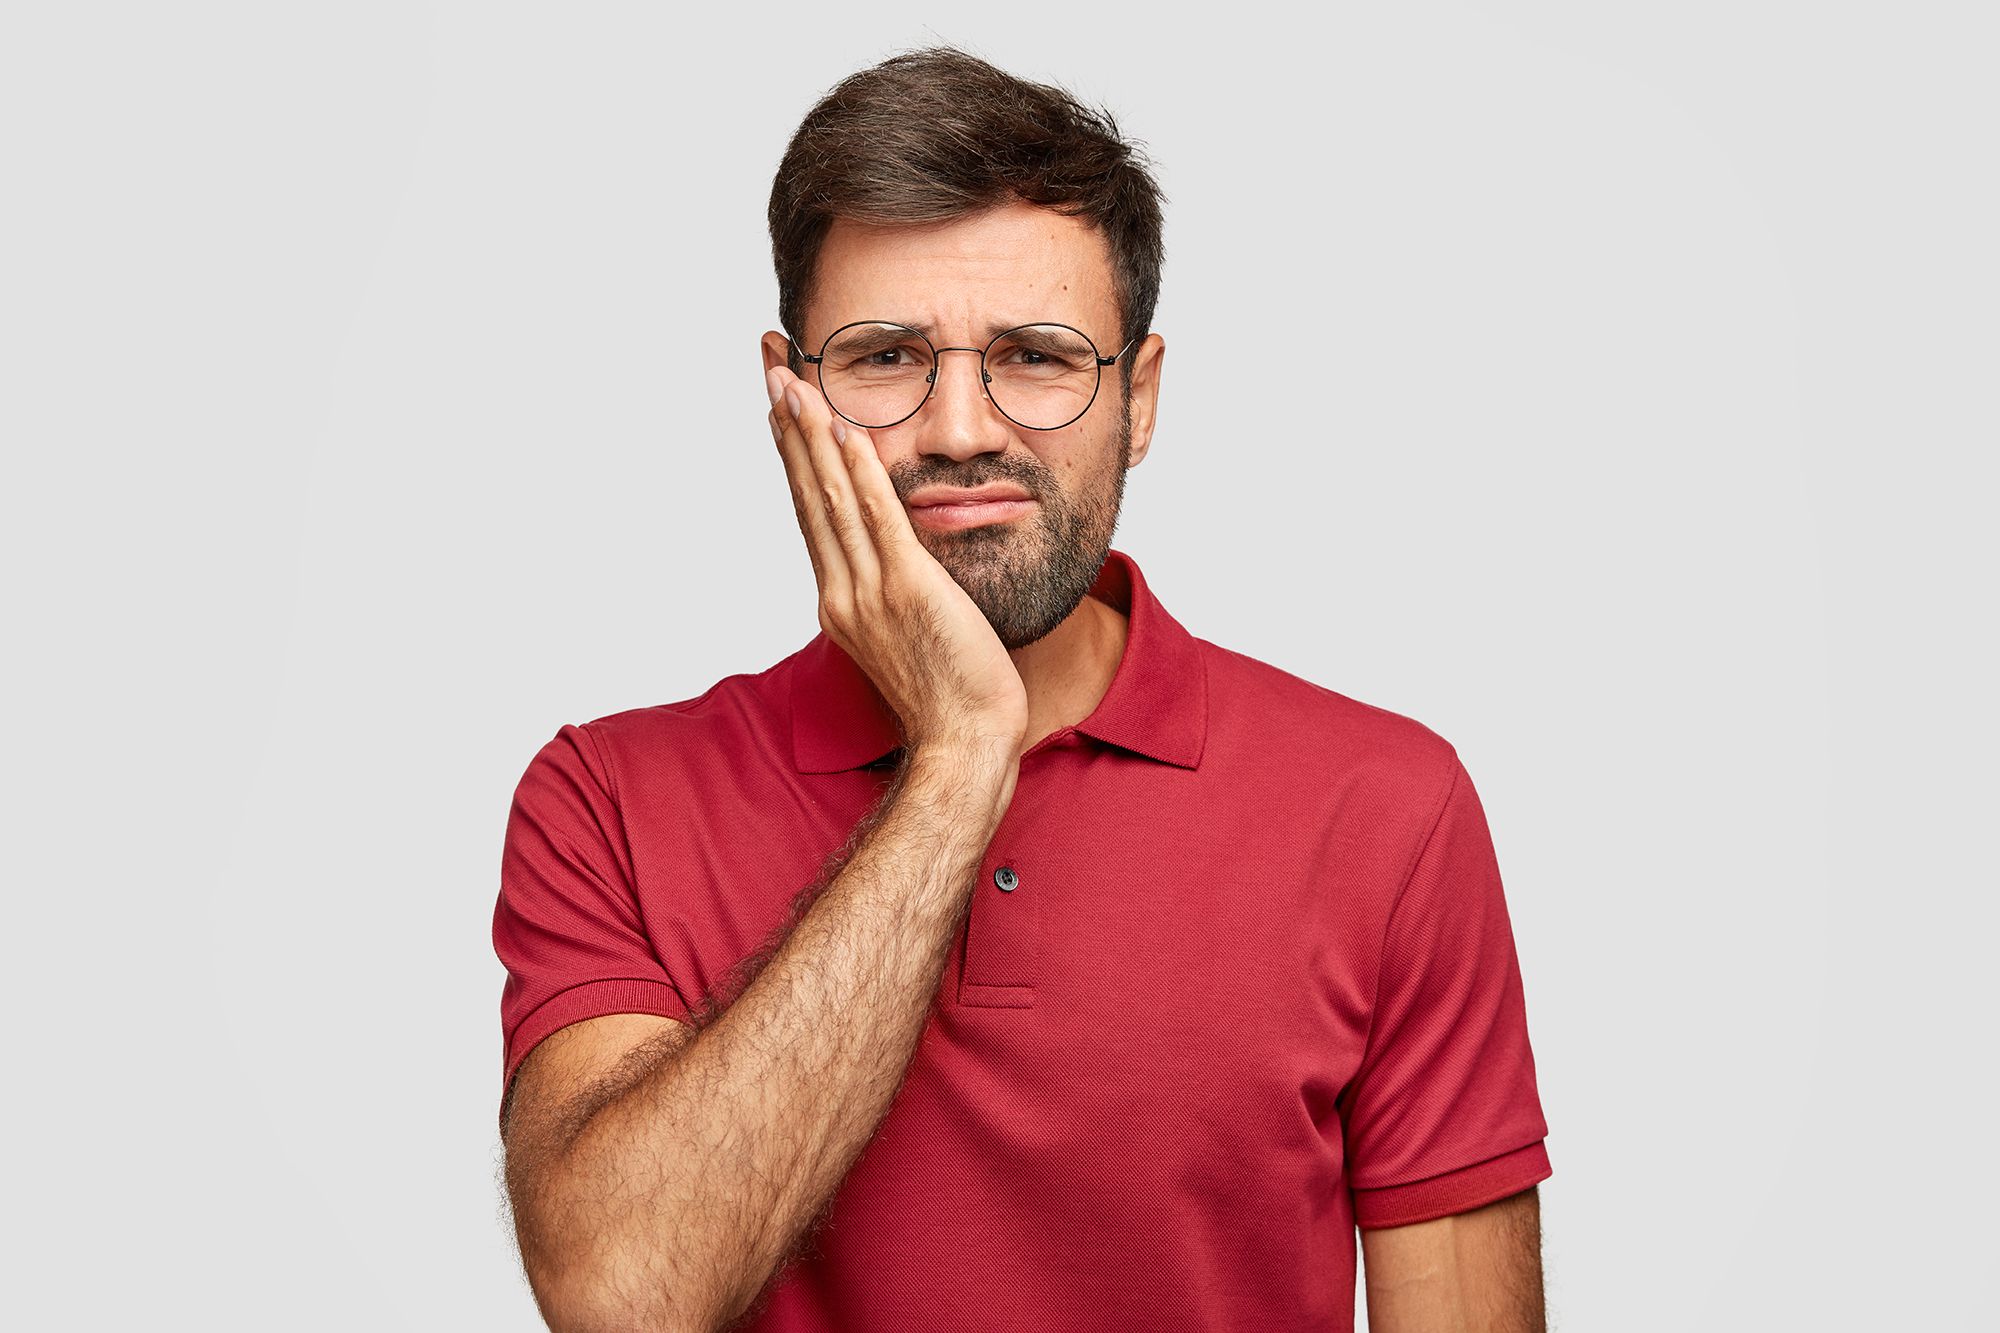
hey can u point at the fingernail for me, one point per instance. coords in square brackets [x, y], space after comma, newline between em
[771, 385]
[792, 400]
[840, 430]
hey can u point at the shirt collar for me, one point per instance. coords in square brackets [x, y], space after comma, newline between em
[1156, 706]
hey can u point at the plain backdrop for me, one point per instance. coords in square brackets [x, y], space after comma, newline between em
[1608, 387]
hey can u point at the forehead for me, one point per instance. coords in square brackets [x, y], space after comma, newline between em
[967, 278]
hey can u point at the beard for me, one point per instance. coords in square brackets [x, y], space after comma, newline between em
[1027, 576]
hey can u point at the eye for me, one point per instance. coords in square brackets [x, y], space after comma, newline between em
[1047, 349]
[880, 351]
[898, 357]
[1018, 354]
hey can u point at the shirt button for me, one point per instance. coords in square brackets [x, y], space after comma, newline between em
[1006, 878]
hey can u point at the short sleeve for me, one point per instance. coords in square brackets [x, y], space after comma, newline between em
[567, 925]
[1443, 1113]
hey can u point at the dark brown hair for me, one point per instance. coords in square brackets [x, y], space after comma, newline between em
[935, 134]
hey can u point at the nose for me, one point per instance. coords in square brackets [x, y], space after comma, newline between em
[961, 416]
[974, 375]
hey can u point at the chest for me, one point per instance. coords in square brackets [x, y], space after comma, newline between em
[1129, 922]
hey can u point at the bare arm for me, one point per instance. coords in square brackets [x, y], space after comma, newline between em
[679, 1199]
[1472, 1272]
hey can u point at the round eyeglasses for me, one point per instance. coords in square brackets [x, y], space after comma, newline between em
[1041, 376]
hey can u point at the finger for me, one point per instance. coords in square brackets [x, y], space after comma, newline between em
[811, 530]
[814, 419]
[822, 547]
[875, 495]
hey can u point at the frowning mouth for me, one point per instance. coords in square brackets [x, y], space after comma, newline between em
[950, 517]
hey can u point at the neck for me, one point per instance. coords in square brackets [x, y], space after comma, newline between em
[1067, 671]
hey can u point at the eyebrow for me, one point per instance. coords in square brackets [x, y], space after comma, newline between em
[994, 327]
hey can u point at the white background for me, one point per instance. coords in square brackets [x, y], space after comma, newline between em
[381, 392]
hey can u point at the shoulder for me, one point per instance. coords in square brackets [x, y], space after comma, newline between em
[1315, 733]
[728, 720]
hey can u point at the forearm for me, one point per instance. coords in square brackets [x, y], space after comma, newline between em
[692, 1188]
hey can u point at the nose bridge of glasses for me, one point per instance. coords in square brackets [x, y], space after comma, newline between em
[979, 367]
[977, 351]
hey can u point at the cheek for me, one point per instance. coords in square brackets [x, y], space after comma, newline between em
[897, 448]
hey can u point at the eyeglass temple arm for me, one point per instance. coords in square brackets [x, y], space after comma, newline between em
[1107, 360]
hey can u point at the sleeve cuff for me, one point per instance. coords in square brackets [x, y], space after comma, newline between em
[1453, 1192]
[592, 999]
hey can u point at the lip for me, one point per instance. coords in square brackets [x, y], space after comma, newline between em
[927, 496]
[952, 517]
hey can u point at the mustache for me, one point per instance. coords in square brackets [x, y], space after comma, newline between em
[908, 482]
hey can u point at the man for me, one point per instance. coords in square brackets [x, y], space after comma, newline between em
[1007, 957]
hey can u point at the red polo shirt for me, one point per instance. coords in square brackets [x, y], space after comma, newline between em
[1249, 983]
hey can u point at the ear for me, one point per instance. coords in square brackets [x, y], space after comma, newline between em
[777, 350]
[1147, 359]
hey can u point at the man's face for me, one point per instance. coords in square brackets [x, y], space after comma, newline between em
[961, 281]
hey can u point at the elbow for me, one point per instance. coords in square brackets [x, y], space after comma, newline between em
[594, 1302]
[569, 1304]
[592, 1274]
[587, 1278]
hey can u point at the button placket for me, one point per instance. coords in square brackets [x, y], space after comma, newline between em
[1003, 934]
[1001, 959]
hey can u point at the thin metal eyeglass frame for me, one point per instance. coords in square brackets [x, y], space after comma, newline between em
[985, 377]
